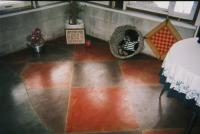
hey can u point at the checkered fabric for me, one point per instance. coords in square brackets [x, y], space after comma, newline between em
[162, 37]
[163, 40]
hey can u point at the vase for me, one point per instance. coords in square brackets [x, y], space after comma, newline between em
[37, 48]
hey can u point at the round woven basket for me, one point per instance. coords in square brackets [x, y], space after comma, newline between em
[118, 35]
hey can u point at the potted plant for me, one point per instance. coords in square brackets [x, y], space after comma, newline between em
[74, 8]
[74, 25]
[36, 40]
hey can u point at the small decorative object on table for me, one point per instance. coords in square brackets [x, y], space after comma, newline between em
[36, 40]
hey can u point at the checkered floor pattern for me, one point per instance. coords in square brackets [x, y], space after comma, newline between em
[163, 40]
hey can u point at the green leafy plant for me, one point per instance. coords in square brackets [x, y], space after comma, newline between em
[74, 8]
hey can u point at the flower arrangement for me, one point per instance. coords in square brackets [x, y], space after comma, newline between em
[36, 37]
[35, 41]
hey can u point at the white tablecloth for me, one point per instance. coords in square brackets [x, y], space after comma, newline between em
[181, 67]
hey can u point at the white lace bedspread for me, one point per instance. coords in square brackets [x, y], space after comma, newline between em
[181, 68]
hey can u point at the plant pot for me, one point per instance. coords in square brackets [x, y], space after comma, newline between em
[37, 48]
[79, 25]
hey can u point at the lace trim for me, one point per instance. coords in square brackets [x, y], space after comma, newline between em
[182, 87]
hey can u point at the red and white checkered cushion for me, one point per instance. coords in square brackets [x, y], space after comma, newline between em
[163, 39]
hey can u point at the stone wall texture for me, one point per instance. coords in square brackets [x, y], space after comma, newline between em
[99, 23]
[14, 29]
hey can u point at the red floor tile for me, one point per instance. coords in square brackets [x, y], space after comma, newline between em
[92, 110]
[164, 131]
[95, 52]
[47, 75]
[141, 72]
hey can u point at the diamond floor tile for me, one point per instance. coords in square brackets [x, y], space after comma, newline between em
[141, 72]
[96, 52]
[48, 75]
[96, 74]
[152, 112]
[16, 113]
[74, 89]
[56, 51]
[92, 110]
[51, 107]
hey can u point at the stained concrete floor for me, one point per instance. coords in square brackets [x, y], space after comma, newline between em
[78, 89]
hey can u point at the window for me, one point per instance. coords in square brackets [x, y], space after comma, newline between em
[179, 9]
[45, 3]
[105, 3]
[6, 6]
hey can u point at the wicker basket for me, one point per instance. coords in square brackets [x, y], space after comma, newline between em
[118, 36]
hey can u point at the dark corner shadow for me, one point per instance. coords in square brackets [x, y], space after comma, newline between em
[16, 114]
[173, 115]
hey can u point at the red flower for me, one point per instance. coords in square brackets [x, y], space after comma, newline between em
[36, 36]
